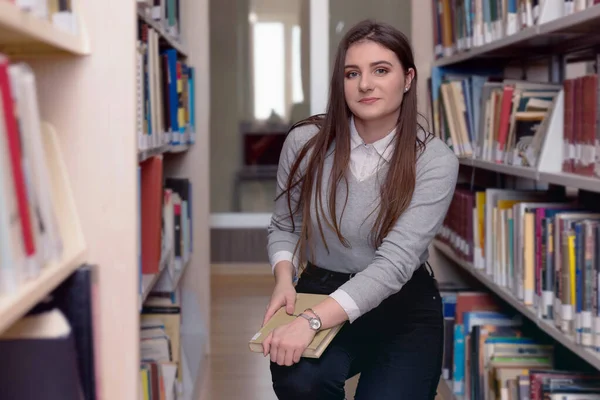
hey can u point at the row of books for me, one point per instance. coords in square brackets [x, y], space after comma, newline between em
[165, 220]
[165, 93]
[509, 121]
[581, 132]
[30, 236]
[166, 13]
[160, 347]
[460, 25]
[490, 354]
[542, 248]
[505, 121]
[59, 12]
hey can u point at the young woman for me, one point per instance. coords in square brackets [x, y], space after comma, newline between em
[362, 190]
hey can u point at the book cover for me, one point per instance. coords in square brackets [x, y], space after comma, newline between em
[303, 301]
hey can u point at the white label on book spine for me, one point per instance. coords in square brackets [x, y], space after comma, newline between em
[578, 328]
[586, 329]
[597, 332]
[588, 154]
[547, 303]
[567, 318]
[255, 336]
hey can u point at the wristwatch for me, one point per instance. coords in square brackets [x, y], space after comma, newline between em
[313, 322]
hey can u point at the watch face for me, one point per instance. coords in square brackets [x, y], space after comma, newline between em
[315, 323]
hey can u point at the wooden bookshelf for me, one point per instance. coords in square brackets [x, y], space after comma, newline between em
[592, 357]
[13, 306]
[555, 40]
[183, 274]
[86, 91]
[21, 32]
[173, 42]
[578, 30]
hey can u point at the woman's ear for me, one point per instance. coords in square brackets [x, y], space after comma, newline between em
[410, 74]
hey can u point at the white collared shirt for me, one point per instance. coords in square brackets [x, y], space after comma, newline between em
[365, 160]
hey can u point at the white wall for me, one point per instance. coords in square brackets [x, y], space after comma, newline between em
[319, 55]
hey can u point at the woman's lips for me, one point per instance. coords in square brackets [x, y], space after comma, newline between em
[368, 100]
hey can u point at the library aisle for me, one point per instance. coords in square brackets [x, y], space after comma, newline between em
[239, 298]
[237, 306]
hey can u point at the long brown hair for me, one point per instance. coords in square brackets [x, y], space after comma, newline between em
[398, 186]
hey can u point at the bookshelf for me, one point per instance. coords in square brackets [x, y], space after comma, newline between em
[172, 154]
[479, 108]
[545, 38]
[84, 64]
[22, 32]
[588, 355]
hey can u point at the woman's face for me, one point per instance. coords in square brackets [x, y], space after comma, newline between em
[374, 81]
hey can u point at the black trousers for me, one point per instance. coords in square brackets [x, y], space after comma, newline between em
[397, 347]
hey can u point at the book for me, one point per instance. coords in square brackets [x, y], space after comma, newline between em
[40, 359]
[303, 301]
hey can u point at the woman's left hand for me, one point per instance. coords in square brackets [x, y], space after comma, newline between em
[287, 342]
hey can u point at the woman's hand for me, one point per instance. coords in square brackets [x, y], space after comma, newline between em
[287, 342]
[284, 295]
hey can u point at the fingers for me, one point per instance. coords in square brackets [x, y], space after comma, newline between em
[268, 314]
[275, 348]
[271, 309]
[267, 344]
[290, 304]
[289, 357]
[283, 354]
[297, 355]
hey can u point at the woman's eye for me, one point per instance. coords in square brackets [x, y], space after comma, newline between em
[380, 71]
[351, 74]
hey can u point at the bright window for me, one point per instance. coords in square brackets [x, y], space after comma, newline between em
[297, 92]
[269, 69]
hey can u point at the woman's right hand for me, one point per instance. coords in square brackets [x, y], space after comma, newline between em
[284, 295]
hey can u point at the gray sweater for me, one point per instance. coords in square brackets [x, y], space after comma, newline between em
[380, 272]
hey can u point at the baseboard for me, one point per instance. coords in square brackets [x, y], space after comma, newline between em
[240, 269]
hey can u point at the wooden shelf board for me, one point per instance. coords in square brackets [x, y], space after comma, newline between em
[489, 49]
[22, 33]
[167, 283]
[143, 155]
[163, 33]
[564, 34]
[591, 184]
[581, 22]
[575, 181]
[592, 357]
[14, 306]
[146, 154]
[514, 170]
[150, 280]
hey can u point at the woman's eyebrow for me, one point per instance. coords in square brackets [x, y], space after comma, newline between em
[372, 64]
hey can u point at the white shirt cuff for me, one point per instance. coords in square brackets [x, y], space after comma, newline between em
[346, 302]
[284, 255]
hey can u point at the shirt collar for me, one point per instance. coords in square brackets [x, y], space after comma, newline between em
[382, 146]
